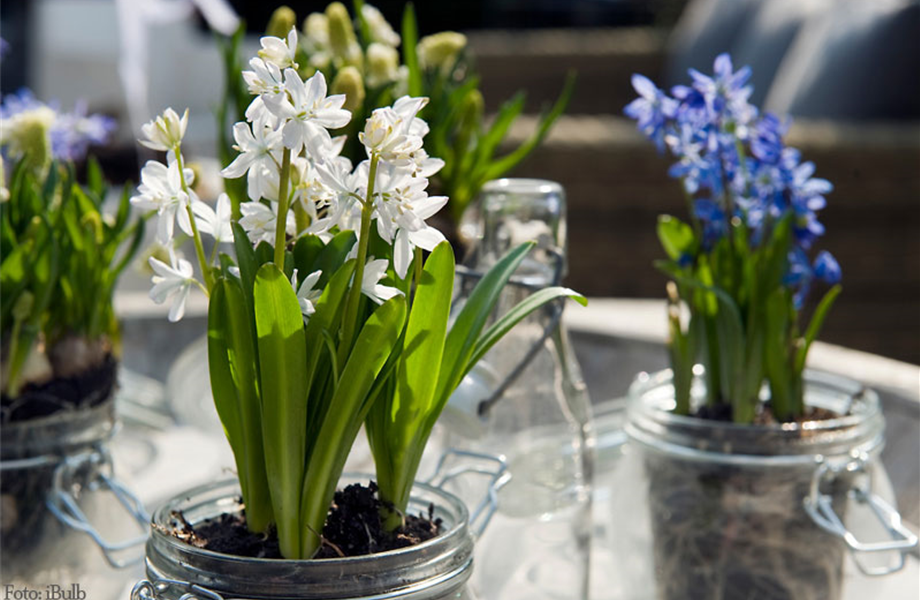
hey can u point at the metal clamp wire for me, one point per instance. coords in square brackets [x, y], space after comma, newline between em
[820, 508]
[147, 590]
[62, 504]
[498, 475]
[29, 463]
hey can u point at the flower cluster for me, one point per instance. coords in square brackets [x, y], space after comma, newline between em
[294, 171]
[735, 166]
[43, 131]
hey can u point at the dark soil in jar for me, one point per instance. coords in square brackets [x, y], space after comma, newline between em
[353, 528]
[722, 411]
[83, 390]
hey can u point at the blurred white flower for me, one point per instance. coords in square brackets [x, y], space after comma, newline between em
[161, 190]
[259, 221]
[381, 31]
[382, 64]
[166, 131]
[260, 148]
[306, 295]
[279, 52]
[305, 109]
[172, 281]
[316, 40]
[374, 271]
[215, 223]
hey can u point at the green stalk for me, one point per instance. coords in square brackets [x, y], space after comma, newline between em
[349, 322]
[199, 248]
[302, 218]
[283, 200]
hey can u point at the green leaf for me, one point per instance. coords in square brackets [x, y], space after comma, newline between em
[336, 436]
[282, 356]
[677, 238]
[400, 418]
[517, 314]
[472, 318]
[94, 178]
[506, 163]
[410, 53]
[306, 250]
[814, 327]
[333, 256]
[235, 387]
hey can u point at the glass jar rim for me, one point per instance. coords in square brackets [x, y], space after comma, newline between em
[861, 429]
[444, 560]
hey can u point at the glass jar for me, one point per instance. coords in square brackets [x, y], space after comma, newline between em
[437, 569]
[735, 510]
[526, 400]
[53, 471]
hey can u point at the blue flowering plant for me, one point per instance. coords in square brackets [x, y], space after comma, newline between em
[61, 253]
[743, 261]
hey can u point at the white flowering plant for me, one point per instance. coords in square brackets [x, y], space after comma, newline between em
[372, 65]
[328, 317]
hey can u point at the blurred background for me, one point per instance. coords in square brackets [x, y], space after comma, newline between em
[847, 70]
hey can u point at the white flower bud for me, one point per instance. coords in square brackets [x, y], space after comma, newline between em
[166, 131]
[382, 64]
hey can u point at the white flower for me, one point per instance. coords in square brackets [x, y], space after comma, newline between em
[374, 271]
[215, 223]
[381, 31]
[166, 131]
[306, 295]
[264, 79]
[172, 281]
[260, 149]
[259, 221]
[402, 207]
[278, 52]
[306, 109]
[161, 190]
[395, 133]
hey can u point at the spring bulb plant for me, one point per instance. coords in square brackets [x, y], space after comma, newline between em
[329, 316]
[61, 253]
[743, 262]
[360, 55]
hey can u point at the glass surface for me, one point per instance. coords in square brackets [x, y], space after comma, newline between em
[526, 400]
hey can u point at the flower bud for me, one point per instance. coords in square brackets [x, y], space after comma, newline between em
[342, 37]
[440, 50]
[166, 131]
[380, 29]
[348, 81]
[471, 108]
[283, 20]
[382, 64]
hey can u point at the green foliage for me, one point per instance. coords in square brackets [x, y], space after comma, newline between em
[61, 258]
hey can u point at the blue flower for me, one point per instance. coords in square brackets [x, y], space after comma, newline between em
[826, 268]
[799, 275]
[713, 219]
[651, 109]
[725, 93]
[767, 139]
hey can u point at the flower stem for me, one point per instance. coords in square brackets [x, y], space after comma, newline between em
[199, 247]
[281, 228]
[354, 294]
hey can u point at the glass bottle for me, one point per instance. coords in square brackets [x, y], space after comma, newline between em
[526, 401]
